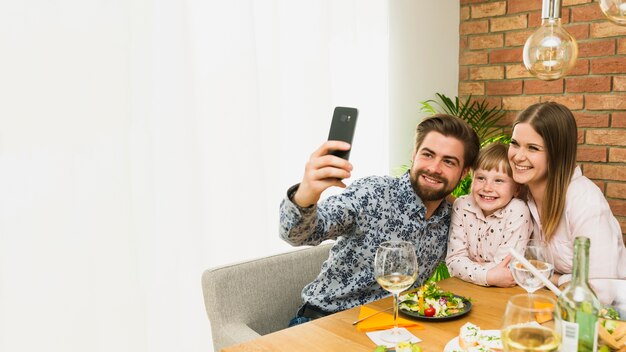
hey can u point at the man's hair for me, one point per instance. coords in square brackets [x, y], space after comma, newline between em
[494, 156]
[556, 124]
[451, 126]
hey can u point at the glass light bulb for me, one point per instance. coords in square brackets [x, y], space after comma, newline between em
[614, 10]
[551, 52]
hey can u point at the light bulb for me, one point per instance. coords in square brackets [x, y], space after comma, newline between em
[551, 52]
[614, 10]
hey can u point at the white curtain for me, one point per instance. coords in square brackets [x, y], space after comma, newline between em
[143, 141]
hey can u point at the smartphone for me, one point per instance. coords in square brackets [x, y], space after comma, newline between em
[342, 128]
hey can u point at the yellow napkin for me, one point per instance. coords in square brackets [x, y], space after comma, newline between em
[382, 321]
[543, 317]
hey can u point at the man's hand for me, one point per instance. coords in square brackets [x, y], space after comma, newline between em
[321, 172]
[500, 275]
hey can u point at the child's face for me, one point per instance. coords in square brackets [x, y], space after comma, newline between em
[492, 189]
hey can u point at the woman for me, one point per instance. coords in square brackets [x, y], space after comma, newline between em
[563, 203]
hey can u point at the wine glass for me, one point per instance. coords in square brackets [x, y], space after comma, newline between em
[395, 269]
[538, 254]
[529, 324]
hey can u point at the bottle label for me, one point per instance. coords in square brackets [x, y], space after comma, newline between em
[570, 336]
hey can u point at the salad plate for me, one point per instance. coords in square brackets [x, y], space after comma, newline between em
[430, 302]
[467, 306]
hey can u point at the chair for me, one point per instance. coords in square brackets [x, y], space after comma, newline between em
[246, 300]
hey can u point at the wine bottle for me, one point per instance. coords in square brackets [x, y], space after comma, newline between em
[578, 305]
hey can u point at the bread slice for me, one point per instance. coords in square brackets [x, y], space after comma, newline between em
[490, 342]
[468, 336]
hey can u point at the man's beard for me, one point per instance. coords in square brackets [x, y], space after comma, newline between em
[427, 194]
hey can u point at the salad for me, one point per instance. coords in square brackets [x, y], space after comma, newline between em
[431, 301]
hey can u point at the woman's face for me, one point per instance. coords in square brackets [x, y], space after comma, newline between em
[528, 156]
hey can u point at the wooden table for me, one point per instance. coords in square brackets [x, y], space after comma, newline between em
[336, 332]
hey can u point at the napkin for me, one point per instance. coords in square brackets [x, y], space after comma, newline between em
[382, 321]
[545, 316]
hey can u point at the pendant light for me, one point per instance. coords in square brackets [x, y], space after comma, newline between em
[614, 10]
[551, 52]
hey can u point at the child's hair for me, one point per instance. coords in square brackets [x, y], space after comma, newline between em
[494, 156]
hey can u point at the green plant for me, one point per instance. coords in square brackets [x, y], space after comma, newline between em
[483, 120]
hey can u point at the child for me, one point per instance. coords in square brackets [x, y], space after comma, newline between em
[488, 222]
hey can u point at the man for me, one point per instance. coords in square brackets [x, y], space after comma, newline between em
[373, 210]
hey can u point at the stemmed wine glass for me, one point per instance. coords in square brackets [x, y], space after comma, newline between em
[529, 324]
[538, 254]
[395, 269]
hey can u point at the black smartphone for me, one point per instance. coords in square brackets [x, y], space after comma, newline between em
[342, 128]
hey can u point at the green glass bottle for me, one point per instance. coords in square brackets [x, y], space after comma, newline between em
[578, 305]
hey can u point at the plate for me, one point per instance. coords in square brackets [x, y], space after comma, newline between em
[453, 345]
[467, 307]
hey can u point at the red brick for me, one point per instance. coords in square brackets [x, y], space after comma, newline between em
[474, 27]
[506, 55]
[508, 23]
[574, 2]
[596, 48]
[618, 119]
[473, 88]
[508, 118]
[515, 6]
[621, 46]
[490, 101]
[573, 102]
[537, 86]
[581, 68]
[605, 102]
[587, 13]
[486, 41]
[595, 154]
[612, 137]
[473, 58]
[464, 14]
[616, 190]
[618, 207]
[619, 83]
[489, 9]
[588, 119]
[506, 87]
[618, 155]
[606, 29]
[517, 38]
[581, 137]
[519, 102]
[465, 2]
[486, 72]
[608, 65]
[578, 31]
[463, 73]
[605, 172]
[588, 84]
[516, 71]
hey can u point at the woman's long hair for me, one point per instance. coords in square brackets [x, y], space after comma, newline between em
[557, 126]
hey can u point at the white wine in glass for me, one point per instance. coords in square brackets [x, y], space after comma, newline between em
[529, 326]
[538, 254]
[395, 269]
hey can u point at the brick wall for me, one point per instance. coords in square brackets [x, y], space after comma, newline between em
[492, 36]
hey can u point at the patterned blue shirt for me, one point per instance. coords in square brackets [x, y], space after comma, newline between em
[368, 212]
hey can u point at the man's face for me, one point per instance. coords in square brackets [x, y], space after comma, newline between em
[437, 166]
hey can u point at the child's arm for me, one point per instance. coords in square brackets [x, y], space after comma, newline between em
[458, 258]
